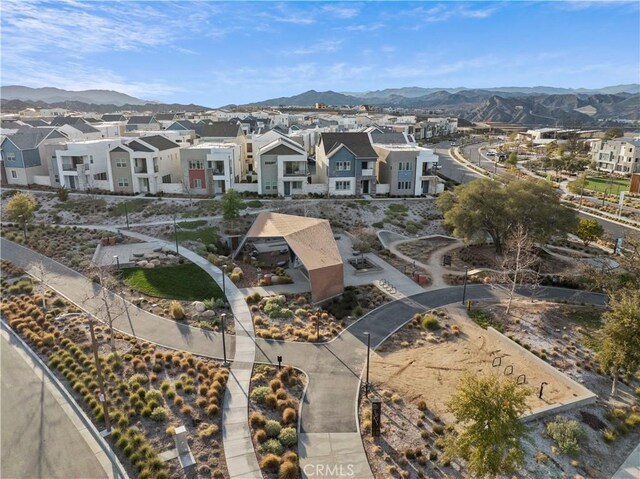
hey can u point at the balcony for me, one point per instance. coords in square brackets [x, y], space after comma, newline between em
[367, 172]
[295, 169]
[140, 169]
[68, 167]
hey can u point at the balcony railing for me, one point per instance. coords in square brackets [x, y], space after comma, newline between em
[140, 169]
[68, 167]
[300, 172]
[367, 172]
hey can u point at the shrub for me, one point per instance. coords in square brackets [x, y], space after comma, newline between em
[288, 470]
[289, 415]
[207, 430]
[260, 436]
[609, 435]
[438, 429]
[260, 393]
[270, 463]
[633, 420]
[288, 436]
[422, 405]
[271, 446]
[212, 410]
[272, 428]
[275, 384]
[430, 322]
[177, 311]
[257, 419]
[154, 395]
[290, 456]
[566, 434]
[139, 379]
[159, 414]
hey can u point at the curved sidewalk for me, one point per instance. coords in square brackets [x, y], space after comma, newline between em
[239, 452]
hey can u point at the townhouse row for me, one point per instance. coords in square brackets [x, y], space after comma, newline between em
[140, 155]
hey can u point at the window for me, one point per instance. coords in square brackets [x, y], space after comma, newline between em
[14, 174]
[404, 166]
[343, 185]
[343, 166]
[11, 156]
[91, 159]
[196, 165]
[56, 178]
[166, 179]
[404, 185]
[121, 163]
[296, 185]
[271, 185]
[197, 182]
[100, 176]
[123, 182]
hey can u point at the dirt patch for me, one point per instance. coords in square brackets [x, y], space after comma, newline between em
[421, 250]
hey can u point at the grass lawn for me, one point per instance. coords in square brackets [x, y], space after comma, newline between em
[185, 281]
[613, 186]
[204, 235]
[133, 206]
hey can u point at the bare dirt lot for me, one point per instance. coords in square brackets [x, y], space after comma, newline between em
[405, 372]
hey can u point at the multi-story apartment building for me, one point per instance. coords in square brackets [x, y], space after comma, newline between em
[346, 162]
[282, 168]
[617, 156]
[211, 168]
[149, 164]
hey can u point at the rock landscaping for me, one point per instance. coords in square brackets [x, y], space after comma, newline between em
[273, 415]
[293, 318]
[150, 390]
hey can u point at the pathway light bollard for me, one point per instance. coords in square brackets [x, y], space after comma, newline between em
[117, 261]
[464, 286]
[279, 358]
[225, 363]
[317, 327]
[366, 383]
[376, 416]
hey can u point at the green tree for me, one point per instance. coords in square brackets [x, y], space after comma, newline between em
[620, 350]
[63, 194]
[513, 158]
[577, 186]
[231, 205]
[589, 230]
[488, 412]
[21, 207]
[614, 133]
[484, 207]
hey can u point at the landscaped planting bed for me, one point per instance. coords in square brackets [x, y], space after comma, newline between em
[273, 416]
[151, 390]
[421, 250]
[74, 247]
[292, 318]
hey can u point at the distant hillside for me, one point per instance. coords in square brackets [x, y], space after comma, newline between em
[11, 106]
[309, 98]
[57, 95]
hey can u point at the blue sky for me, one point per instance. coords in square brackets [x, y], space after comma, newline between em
[216, 53]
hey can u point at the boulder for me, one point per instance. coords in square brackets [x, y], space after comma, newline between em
[150, 266]
[155, 262]
[208, 314]
[143, 263]
[198, 306]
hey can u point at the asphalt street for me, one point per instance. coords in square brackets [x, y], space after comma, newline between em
[38, 439]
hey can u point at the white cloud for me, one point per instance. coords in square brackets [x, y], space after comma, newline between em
[341, 10]
[323, 46]
[442, 12]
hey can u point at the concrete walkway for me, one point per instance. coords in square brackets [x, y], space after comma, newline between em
[630, 469]
[239, 451]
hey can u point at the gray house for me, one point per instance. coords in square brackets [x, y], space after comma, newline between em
[347, 163]
[27, 154]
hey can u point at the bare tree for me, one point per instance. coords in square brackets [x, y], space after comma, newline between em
[519, 259]
[107, 298]
[44, 276]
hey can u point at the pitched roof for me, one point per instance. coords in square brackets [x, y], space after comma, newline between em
[218, 129]
[165, 116]
[358, 143]
[141, 120]
[311, 239]
[35, 122]
[136, 146]
[113, 118]
[66, 120]
[160, 142]
[388, 138]
[84, 127]
[119, 148]
[186, 124]
[30, 138]
[92, 120]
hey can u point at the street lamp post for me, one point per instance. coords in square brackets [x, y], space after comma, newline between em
[224, 288]
[117, 262]
[366, 383]
[225, 363]
[24, 226]
[464, 286]
[175, 231]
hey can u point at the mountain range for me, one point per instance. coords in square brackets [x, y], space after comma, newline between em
[523, 105]
[57, 95]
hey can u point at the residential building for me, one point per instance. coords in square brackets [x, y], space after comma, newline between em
[407, 169]
[84, 165]
[620, 155]
[211, 168]
[347, 163]
[142, 123]
[150, 164]
[80, 130]
[26, 155]
[282, 167]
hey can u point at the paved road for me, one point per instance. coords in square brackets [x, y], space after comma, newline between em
[38, 439]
